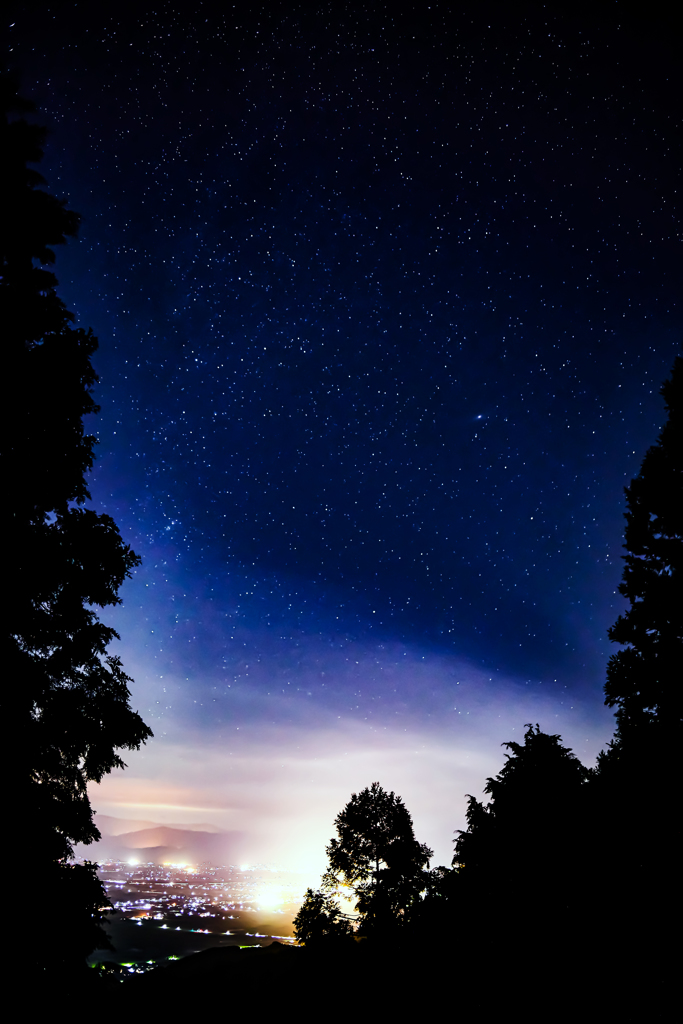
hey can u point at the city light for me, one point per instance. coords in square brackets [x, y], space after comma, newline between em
[269, 898]
[237, 904]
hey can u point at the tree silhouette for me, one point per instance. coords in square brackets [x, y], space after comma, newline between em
[644, 680]
[641, 767]
[320, 919]
[522, 845]
[68, 698]
[378, 858]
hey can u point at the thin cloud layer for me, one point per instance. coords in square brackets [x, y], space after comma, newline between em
[283, 785]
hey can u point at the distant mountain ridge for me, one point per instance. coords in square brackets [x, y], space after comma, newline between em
[147, 841]
[110, 826]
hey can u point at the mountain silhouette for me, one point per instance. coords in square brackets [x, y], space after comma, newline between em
[161, 844]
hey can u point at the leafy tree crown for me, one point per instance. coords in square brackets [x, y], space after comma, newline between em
[377, 856]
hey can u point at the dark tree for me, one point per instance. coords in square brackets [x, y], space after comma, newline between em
[378, 858]
[67, 698]
[320, 919]
[522, 847]
[639, 775]
[645, 679]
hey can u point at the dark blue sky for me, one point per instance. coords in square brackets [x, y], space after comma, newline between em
[384, 303]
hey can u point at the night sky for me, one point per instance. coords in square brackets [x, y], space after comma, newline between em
[384, 298]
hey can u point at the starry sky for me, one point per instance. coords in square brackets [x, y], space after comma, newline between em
[384, 298]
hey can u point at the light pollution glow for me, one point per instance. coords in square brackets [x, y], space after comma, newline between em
[282, 784]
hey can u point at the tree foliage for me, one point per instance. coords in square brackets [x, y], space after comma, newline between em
[376, 856]
[641, 767]
[520, 844]
[69, 701]
[320, 919]
[644, 680]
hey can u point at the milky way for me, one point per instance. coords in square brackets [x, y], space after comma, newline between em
[384, 303]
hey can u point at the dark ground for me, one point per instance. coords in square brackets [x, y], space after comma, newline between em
[420, 981]
[140, 940]
[143, 941]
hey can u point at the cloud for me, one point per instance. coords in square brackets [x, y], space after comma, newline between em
[282, 785]
[269, 735]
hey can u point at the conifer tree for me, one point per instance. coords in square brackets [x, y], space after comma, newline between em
[645, 679]
[67, 698]
[635, 824]
[519, 845]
